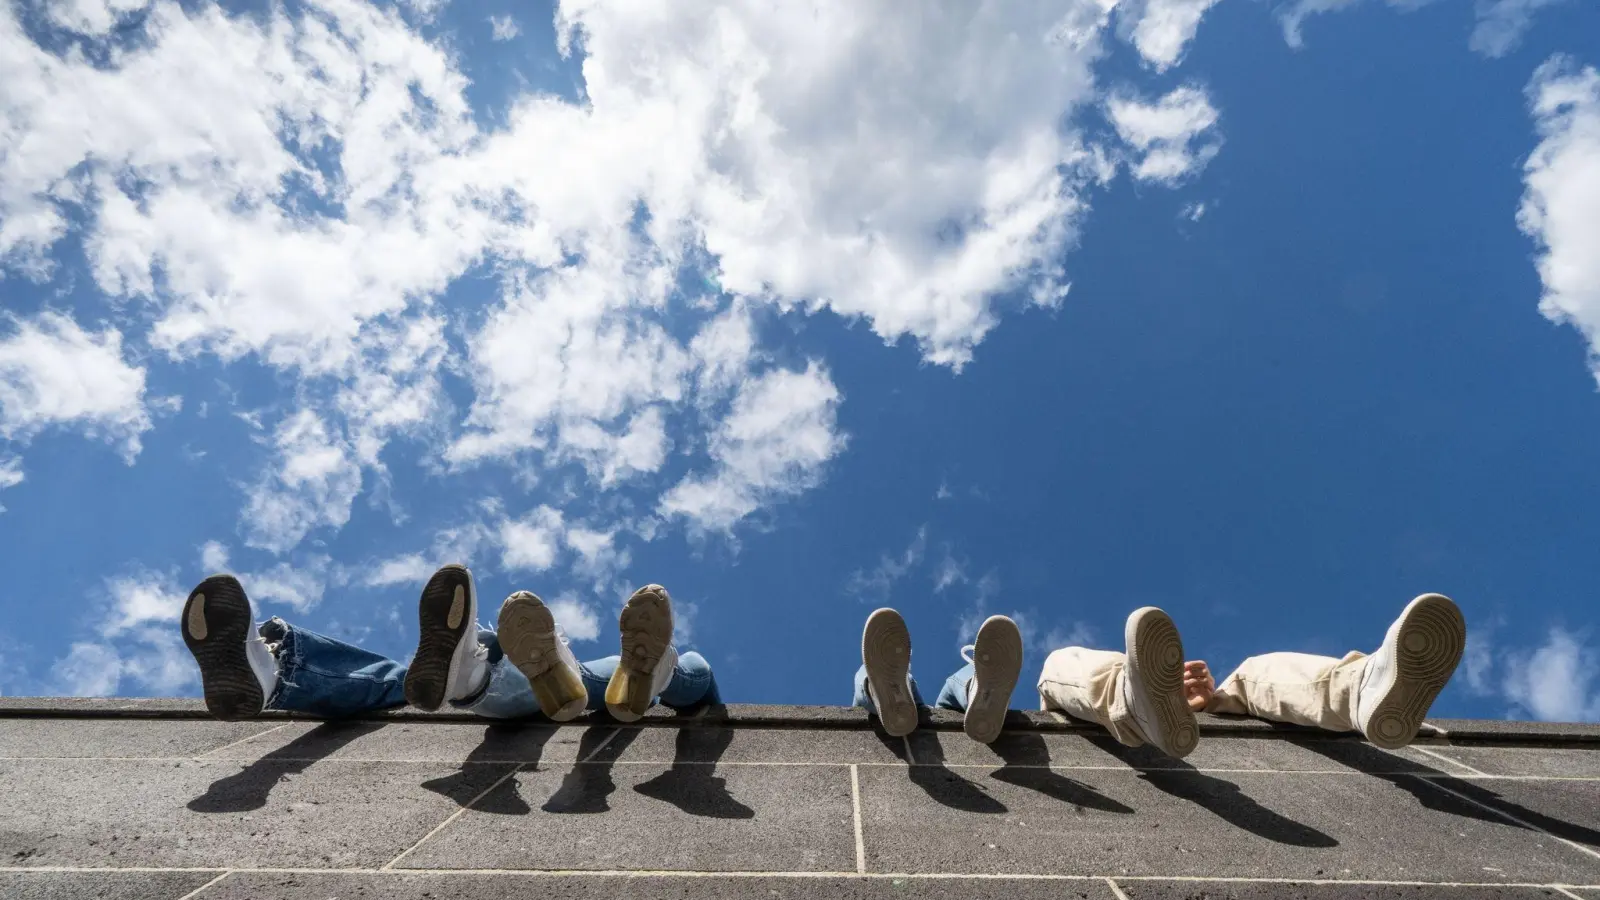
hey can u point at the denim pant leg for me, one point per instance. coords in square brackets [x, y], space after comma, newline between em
[864, 700]
[327, 677]
[507, 694]
[692, 683]
[954, 693]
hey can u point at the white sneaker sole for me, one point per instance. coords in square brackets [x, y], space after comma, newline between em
[1155, 660]
[646, 626]
[1427, 647]
[886, 652]
[996, 665]
[527, 632]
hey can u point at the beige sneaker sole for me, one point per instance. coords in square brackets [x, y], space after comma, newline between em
[646, 625]
[1427, 648]
[527, 633]
[886, 652]
[996, 664]
[1155, 658]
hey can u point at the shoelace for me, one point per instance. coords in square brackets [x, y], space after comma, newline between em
[967, 651]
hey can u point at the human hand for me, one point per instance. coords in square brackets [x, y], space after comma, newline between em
[1198, 685]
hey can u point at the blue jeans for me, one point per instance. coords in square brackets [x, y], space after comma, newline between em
[327, 677]
[952, 696]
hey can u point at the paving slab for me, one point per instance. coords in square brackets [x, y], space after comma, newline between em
[1180, 890]
[1566, 809]
[1099, 750]
[689, 818]
[417, 741]
[185, 813]
[101, 885]
[1166, 823]
[646, 887]
[665, 746]
[1557, 762]
[121, 738]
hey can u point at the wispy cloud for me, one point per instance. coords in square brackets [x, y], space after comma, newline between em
[876, 584]
[503, 28]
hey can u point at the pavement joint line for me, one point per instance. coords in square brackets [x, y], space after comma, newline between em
[855, 814]
[690, 873]
[1564, 892]
[911, 758]
[1511, 818]
[455, 815]
[1457, 763]
[1115, 889]
[201, 889]
[198, 756]
[603, 744]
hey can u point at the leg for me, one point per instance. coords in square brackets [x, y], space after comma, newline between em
[954, 693]
[1088, 684]
[692, 684]
[1298, 688]
[327, 677]
[596, 675]
[507, 694]
[863, 697]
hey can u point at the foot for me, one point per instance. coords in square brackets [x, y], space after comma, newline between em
[1406, 674]
[996, 662]
[449, 663]
[886, 652]
[237, 672]
[533, 643]
[1153, 683]
[648, 656]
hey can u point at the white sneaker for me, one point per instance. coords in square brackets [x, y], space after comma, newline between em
[886, 652]
[1406, 674]
[449, 664]
[648, 657]
[1153, 683]
[996, 658]
[237, 672]
[537, 646]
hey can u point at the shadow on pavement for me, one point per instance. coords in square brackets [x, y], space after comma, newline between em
[1221, 797]
[927, 770]
[248, 788]
[502, 743]
[692, 784]
[589, 784]
[1023, 752]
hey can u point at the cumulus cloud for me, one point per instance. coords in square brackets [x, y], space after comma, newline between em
[1172, 138]
[136, 643]
[1558, 680]
[1561, 201]
[531, 542]
[54, 373]
[1161, 29]
[576, 618]
[313, 482]
[214, 556]
[409, 569]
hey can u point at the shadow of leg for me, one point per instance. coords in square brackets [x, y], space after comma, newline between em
[1024, 753]
[692, 784]
[1220, 796]
[586, 788]
[248, 788]
[1433, 788]
[928, 772]
[502, 743]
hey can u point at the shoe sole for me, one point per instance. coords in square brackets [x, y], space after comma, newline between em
[1155, 654]
[216, 623]
[1427, 648]
[444, 614]
[646, 626]
[886, 652]
[527, 632]
[996, 665]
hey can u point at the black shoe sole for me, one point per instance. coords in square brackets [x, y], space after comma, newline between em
[429, 674]
[216, 624]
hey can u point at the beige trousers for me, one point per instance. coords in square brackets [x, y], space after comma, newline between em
[1088, 684]
[1319, 691]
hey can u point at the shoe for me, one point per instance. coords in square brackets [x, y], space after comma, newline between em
[238, 674]
[449, 664]
[536, 645]
[996, 658]
[648, 656]
[886, 652]
[1153, 683]
[1406, 674]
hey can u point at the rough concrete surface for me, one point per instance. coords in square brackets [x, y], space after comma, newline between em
[145, 799]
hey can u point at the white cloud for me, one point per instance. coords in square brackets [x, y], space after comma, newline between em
[576, 618]
[214, 556]
[877, 583]
[139, 599]
[1561, 204]
[1160, 29]
[504, 28]
[948, 573]
[89, 670]
[409, 569]
[532, 542]
[298, 586]
[11, 474]
[138, 643]
[1173, 136]
[1558, 681]
[53, 373]
[92, 17]
[773, 443]
[312, 484]
[599, 557]
[1502, 23]
[1193, 211]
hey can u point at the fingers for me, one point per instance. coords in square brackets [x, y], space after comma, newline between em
[1197, 667]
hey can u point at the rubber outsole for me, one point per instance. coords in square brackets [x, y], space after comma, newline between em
[1427, 648]
[646, 626]
[1155, 658]
[216, 624]
[996, 665]
[886, 652]
[527, 632]
[444, 614]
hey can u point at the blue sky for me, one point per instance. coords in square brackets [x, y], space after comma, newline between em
[1273, 314]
